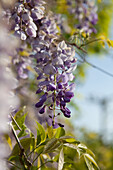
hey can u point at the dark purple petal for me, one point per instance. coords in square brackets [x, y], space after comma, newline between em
[61, 125]
[60, 86]
[43, 98]
[39, 104]
[67, 115]
[38, 91]
[42, 110]
[52, 87]
[69, 94]
[66, 112]
[66, 99]
[61, 93]
[62, 103]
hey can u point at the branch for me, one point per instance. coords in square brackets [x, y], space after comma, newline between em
[15, 122]
[78, 47]
[89, 42]
[29, 164]
[94, 66]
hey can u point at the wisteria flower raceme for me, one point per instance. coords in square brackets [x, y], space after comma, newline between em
[55, 61]
[85, 13]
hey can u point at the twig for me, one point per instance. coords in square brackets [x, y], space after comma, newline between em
[29, 164]
[44, 163]
[14, 164]
[36, 158]
[78, 47]
[15, 122]
[94, 66]
[89, 42]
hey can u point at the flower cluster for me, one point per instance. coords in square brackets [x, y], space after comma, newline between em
[55, 64]
[55, 60]
[85, 13]
[21, 62]
[26, 14]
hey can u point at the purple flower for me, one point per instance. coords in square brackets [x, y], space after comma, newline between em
[31, 31]
[69, 94]
[42, 110]
[39, 104]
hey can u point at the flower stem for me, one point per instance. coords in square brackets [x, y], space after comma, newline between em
[54, 99]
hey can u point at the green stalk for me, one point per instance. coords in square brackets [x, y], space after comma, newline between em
[54, 98]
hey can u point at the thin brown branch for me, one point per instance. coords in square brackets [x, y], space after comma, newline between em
[94, 66]
[29, 164]
[89, 42]
[78, 47]
[15, 122]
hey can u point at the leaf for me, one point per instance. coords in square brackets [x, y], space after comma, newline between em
[19, 118]
[55, 159]
[91, 159]
[60, 132]
[40, 149]
[82, 146]
[61, 160]
[22, 132]
[32, 144]
[71, 145]
[109, 42]
[88, 163]
[50, 132]
[67, 138]
[25, 143]
[38, 137]
[51, 145]
[42, 132]
[8, 139]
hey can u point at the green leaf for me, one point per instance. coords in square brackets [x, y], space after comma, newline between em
[88, 163]
[42, 132]
[82, 146]
[19, 118]
[60, 132]
[22, 132]
[38, 137]
[56, 158]
[40, 149]
[50, 132]
[68, 139]
[51, 145]
[61, 160]
[71, 145]
[109, 42]
[91, 159]
[32, 144]
[25, 143]
[8, 139]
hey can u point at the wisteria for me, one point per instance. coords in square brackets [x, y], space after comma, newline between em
[26, 14]
[55, 60]
[38, 61]
[85, 13]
